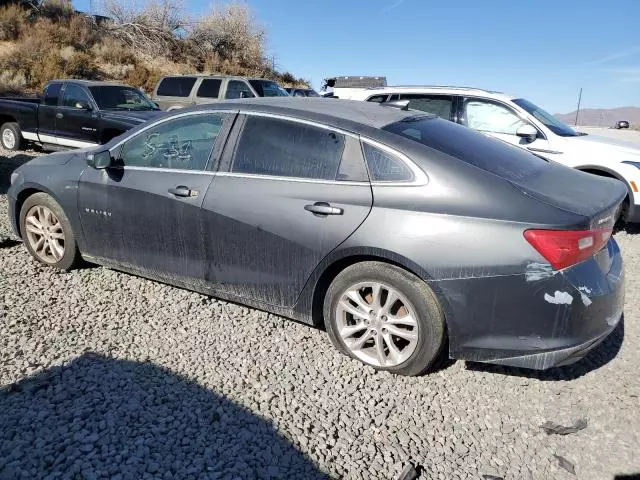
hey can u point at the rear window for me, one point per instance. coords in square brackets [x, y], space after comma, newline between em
[495, 156]
[209, 88]
[176, 86]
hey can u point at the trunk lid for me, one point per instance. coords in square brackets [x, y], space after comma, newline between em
[591, 196]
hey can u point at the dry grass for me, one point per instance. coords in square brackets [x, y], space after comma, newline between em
[55, 42]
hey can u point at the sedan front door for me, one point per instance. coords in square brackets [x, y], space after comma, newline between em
[144, 212]
[289, 194]
[77, 121]
[499, 121]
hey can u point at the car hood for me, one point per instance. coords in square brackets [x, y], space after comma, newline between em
[611, 149]
[131, 117]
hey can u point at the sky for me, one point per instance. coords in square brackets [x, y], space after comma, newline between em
[543, 50]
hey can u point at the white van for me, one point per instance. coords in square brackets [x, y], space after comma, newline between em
[520, 122]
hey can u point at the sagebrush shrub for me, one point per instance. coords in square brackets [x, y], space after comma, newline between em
[12, 21]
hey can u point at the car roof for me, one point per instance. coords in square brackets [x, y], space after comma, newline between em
[345, 113]
[89, 83]
[441, 89]
[214, 75]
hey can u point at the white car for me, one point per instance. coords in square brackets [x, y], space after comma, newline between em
[520, 122]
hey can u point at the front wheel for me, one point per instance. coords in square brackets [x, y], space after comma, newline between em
[385, 317]
[47, 233]
[10, 136]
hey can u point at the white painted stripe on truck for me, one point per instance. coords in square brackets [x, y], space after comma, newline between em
[67, 142]
[30, 136]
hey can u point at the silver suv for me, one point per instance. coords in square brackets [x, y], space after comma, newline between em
[180, 91]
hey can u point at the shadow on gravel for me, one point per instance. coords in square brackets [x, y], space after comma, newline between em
[98, 417]
[7, 166]
[630, 228]
[6, 242]
[596, 358]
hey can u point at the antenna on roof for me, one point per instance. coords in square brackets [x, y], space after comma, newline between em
[401, 104]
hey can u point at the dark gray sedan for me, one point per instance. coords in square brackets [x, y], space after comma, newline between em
[395, 230]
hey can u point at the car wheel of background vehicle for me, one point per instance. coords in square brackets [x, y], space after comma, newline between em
[47, 233]
[10, 136]
[385, 317]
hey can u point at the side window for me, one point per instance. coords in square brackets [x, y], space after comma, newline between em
[209, 88]
[490, 117]
[75, 97]
[384, 166]
[377, 98]
[238, 89]
[184, 143]
[275, 147]
[176, 86]
[299, 93]
[52, 93]
[434, 104]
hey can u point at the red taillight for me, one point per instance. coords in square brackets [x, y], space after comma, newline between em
[563, 248]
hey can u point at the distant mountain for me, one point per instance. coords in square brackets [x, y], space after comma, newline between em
[602, 117]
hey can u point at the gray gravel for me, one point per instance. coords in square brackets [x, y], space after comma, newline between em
[106, 375]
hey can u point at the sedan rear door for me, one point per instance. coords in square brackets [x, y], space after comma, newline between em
[144, 213]
[287, 193]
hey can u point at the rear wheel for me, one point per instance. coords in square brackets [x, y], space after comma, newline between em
[10, 136]
[47, 233]
[385, 317]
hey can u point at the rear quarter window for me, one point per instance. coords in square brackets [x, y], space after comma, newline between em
[175, 86]
[492, 155]
[384, 166]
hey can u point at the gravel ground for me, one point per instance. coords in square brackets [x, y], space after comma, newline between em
[106, 375]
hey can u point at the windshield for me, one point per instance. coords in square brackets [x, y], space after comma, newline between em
[267, 88]
[551, 122]
[115, 97]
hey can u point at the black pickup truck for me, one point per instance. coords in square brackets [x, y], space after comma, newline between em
[73, 113]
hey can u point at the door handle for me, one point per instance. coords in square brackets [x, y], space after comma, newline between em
[59, 115]
[322, 209]
[182, 191]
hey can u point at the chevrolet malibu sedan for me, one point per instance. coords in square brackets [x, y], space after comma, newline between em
[396, 231]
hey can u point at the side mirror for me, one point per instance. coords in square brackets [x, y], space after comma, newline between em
[528, 132]
[83, 106]
[100, 160]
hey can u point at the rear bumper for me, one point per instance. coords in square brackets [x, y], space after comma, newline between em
[538, 320]
[560, 357]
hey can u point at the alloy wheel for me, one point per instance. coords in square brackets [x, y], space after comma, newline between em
[45, 234]
[377, 324]
[8, 138]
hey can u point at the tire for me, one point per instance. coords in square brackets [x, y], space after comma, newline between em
[10, 136]
[60, 232]
[417, 349]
